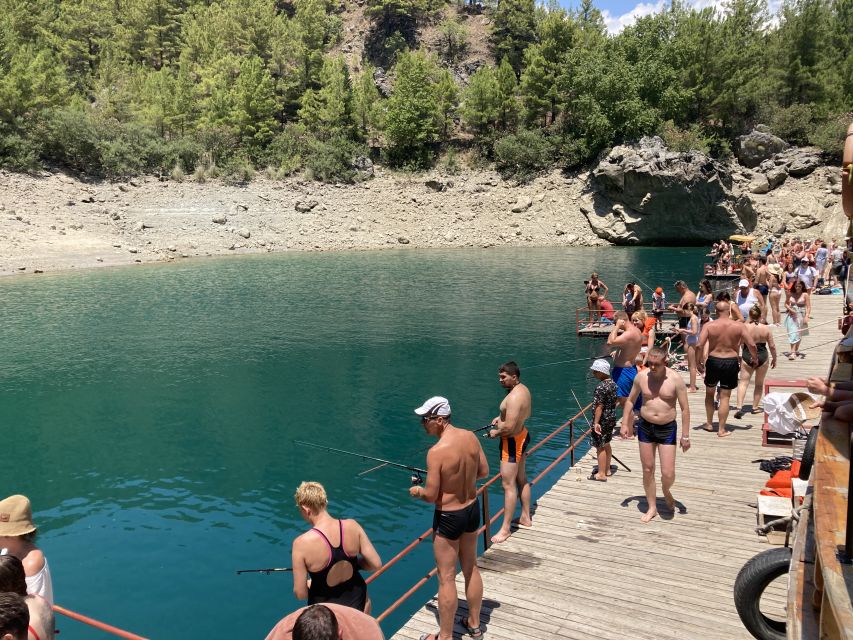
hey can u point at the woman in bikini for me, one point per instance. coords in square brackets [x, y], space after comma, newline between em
[774, 296]
[691, 339]
[798, 307]
[594, 286]
[763, 336]
[331, 554]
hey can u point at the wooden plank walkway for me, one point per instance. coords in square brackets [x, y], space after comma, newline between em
[589, 568]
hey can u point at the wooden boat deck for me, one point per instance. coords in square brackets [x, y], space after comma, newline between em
[589, 568]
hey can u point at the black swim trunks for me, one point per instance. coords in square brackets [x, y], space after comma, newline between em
[722, 370]
[452, 524]
[656, 433]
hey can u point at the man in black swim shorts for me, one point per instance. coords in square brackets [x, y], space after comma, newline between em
[454, 465]
[660, 389]
[724, 337]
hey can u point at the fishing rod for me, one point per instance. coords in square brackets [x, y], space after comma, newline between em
[417, 473]
[583, 413]
[266, 572]
[549, 364]
[642, 282]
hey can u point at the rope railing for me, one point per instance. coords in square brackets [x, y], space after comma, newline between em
[488, 519]
[97, 624]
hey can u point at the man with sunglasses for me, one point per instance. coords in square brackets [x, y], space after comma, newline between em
[454, 465]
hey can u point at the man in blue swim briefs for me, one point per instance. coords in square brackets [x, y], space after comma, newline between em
[628, 341]
[660, 388]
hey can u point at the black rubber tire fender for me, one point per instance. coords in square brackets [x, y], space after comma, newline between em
[807, 462]
[750, 584]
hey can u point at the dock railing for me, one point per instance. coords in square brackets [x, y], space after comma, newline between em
[488, 518]
[584, 317]
[97, 624]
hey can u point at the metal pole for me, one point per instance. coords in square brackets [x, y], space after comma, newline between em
[571, 440]
[487, 538]
[847, 557]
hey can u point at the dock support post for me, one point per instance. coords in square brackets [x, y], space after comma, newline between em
[487, 536]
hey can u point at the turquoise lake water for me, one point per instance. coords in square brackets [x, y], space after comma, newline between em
[150, 412]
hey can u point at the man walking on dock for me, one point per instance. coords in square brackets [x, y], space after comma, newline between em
[657, 430]
[510, 427]
[454, 465]
[724, 338]
[686, 296]
[628, 341]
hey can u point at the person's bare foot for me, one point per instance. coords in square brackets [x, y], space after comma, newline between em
[707, 427]
[501, 536]
[527, 522]
[648, 515]
[670, 501]
[724, 434]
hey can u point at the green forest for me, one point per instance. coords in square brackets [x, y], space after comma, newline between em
[195, 89]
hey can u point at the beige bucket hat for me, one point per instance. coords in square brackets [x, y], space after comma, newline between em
[16, 516]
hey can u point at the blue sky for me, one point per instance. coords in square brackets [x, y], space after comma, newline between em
[618, 14]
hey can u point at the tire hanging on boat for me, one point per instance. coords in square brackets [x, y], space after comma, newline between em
[808, 454]
[753, 579]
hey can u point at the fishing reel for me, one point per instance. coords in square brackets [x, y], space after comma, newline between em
[417, 480]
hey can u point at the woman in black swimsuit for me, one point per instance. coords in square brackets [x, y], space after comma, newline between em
[763, 336]
[331, 554]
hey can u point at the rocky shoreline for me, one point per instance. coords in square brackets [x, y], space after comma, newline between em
[642, 194]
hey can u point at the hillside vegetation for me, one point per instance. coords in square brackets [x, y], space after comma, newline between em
[204, 88]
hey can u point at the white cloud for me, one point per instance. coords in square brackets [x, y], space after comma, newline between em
[615, 24]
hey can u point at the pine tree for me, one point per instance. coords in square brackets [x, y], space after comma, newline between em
[252, 102]
[447, 101]
[513, 30]
[507, 99]
[481, 105]
[410, 126]
[365, 101]
[327, 111]
[536, 88]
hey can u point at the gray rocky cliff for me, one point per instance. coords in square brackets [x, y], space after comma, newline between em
[648, 194]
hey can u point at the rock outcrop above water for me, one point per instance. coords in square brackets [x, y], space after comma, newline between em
[648, 194]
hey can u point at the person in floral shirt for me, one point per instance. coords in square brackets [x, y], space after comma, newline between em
[604, 417]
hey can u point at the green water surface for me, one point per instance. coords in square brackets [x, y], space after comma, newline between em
[149, 412]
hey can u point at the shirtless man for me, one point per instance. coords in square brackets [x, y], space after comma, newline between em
[724, 338]
[628, 341]
[454, 465]
[659, 387]
[686, 296]
[510, 427]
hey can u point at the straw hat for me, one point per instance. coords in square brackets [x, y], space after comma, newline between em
[16, 516]
[775, 269]
[801, 402]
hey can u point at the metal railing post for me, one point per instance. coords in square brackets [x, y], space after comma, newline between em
[487, 538]
[847, 556]
[571, 442]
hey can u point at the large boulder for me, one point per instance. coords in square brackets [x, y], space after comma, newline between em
[755, 147]
[649, 194]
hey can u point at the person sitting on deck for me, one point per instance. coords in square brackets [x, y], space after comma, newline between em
[17, 538]
[660, 388]
[14, 617]
[327, 621]
[12, 579]
[331, 554]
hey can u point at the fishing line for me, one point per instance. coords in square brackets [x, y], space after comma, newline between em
[417, 473]
[548, 364]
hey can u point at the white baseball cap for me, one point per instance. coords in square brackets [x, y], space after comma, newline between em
[602, 366]
[743, 282]
[435, 406]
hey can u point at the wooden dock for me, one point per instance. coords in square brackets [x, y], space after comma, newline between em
[590, 569]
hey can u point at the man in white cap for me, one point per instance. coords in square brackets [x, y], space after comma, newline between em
[604, 417]
[747, 297]
[454, 465]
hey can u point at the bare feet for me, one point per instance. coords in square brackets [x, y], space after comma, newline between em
[670, 501]
[527, 523]
[648, 515]
[724, 434]
[501, 536]
[707, 427]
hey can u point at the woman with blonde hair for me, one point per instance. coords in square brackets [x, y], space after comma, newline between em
[330, 554]
[690, 335]
[763, 336]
